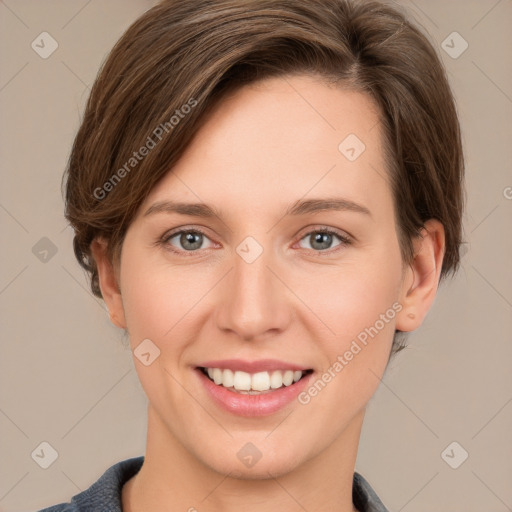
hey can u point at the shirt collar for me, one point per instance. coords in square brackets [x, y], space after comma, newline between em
[105, 494]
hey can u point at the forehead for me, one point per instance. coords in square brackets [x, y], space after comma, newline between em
[278, 140]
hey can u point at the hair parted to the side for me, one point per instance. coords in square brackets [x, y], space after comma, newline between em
[184, 52]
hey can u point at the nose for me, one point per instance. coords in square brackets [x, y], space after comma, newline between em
[254, 301]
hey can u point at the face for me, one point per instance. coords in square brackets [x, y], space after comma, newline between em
[268, 276]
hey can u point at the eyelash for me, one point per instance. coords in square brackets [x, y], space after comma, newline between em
[164, 241]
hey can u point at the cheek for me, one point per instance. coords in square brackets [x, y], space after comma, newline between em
[358, 303]
[160, 300]
[352, 297]
[148, 297]
[361, 315]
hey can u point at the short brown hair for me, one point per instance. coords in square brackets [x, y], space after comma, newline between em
[191, 52]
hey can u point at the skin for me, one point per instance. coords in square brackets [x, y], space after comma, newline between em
[263, 148]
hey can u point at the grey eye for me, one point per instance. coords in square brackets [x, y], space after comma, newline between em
[321, 240]
[189, 240]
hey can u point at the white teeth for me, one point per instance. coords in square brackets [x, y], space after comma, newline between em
[288, 378]
[257, 382]
[242, 381]
[228, 378]
[276, 380]
[217, 375]
[260, 381]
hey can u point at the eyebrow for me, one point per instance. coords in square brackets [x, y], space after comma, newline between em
[300, 207]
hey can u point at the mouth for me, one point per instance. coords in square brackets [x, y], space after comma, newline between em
[258, 383]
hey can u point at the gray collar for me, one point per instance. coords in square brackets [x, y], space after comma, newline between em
[105, 494]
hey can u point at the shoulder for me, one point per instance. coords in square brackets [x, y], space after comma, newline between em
[364, 497]
[63, 507]
[105, 493]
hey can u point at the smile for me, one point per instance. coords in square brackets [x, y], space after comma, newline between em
[255, 383]
[252, 394]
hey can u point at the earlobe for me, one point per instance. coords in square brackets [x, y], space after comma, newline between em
[420, 284]
[108, 282]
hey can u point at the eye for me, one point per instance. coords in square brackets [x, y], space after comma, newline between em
[189, 240]
[322, 239]
[192, 240]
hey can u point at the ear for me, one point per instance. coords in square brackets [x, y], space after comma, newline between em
[421, 280]
[108, 282]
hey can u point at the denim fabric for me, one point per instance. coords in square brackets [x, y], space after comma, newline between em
[105, 494]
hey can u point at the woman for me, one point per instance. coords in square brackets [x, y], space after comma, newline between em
[266, 195]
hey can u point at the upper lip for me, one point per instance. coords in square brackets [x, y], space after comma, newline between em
[262, 365]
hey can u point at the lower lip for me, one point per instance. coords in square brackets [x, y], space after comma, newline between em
[253, 405]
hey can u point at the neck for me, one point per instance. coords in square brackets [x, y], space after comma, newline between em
[173, 478]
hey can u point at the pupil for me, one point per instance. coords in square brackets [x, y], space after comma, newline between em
[192, 238]
[323, 239]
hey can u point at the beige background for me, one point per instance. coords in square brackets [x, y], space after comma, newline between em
[66, 377]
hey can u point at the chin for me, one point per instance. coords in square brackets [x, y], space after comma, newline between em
[273, 462]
